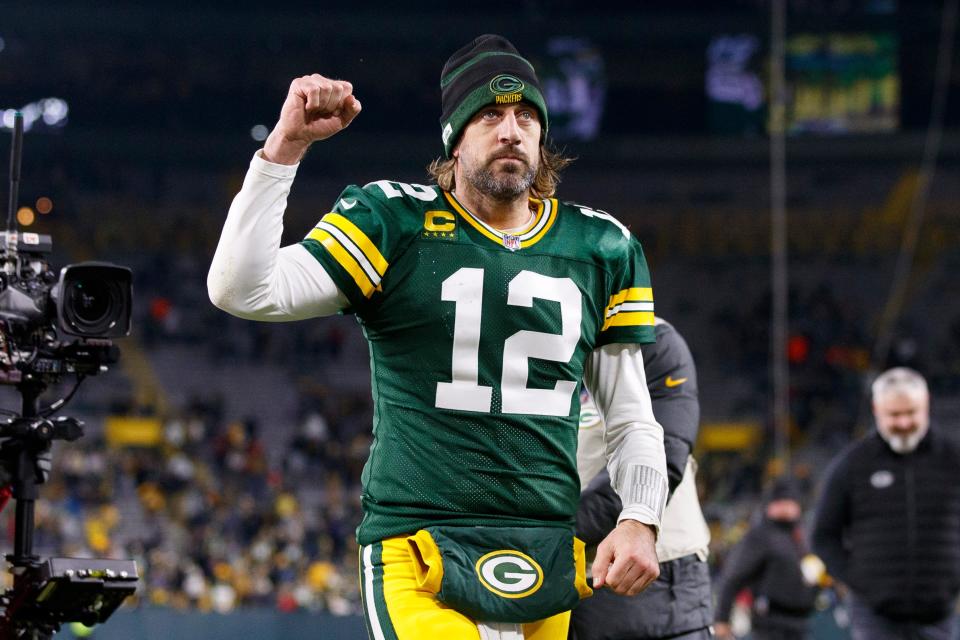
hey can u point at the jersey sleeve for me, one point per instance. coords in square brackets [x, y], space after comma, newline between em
[355, 243]
[628, 316]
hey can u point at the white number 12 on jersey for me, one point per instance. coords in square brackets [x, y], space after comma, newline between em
[464, 392]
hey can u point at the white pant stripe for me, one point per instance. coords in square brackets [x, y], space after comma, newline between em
[500, 631]
[368, 592]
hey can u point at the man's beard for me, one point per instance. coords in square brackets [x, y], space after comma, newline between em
[904, 444]
[506, 185]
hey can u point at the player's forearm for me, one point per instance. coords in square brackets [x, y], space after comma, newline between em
[634, 438]
[280, 150]
[250, 276]
[641, 480]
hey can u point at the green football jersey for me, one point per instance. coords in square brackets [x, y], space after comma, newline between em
[478, 341]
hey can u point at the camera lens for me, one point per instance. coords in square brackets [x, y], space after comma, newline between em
[91, 301]
[95, 300]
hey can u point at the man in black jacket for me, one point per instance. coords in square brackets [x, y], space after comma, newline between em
[888, 521]
[768, 559]
[677, 604]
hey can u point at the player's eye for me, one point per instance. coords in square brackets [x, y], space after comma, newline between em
[490, 114]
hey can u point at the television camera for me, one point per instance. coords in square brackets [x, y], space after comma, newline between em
[52, 324]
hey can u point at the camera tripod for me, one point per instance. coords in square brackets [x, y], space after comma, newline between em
[48, 593]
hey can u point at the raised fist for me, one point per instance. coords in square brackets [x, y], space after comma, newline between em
[316, 108]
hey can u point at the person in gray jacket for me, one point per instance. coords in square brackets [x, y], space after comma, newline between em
[678, 604]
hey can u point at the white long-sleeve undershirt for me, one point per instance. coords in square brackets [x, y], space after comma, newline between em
[252, 277]
[633, 438]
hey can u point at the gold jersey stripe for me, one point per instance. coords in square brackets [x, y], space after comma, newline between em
[633, 294]
[492, 232]
[546, 227]
[345, 260]
[536, 228]
[360, 239]
[629, 319]
[476, 224]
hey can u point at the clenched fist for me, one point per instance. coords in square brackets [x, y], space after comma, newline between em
[315, 109]
[626, 559]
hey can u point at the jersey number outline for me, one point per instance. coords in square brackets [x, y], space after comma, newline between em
[464, 392]
[397, 189]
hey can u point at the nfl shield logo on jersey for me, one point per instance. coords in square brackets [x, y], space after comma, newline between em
[511, 242]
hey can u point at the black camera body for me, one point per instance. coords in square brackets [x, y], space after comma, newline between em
[89, 301]
[51, 324]
[60, 590]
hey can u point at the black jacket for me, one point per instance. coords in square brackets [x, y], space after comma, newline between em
[767, 560]
[680, 599]
[888, 525]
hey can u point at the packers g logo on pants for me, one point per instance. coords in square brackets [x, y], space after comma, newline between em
[509, 574]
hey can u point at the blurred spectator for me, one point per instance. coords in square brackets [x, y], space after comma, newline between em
[888, 521]
[768, 560]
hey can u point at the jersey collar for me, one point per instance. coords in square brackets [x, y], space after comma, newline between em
[545, 216]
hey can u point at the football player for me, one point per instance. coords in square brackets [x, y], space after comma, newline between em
[485, 302]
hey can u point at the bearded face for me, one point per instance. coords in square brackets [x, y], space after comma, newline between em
[506, 176]
[499, 153]
[903, 418]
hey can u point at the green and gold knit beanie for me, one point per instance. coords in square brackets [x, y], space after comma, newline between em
[489, 70]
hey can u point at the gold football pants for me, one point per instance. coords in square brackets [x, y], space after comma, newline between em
[395, 608]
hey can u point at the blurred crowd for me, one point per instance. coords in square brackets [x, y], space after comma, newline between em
[211, 524]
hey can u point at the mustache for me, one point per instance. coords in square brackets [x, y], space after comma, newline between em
[512, 154]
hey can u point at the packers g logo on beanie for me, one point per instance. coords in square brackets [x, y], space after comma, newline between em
[509, 574]
[506, 89]
[487, 71]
